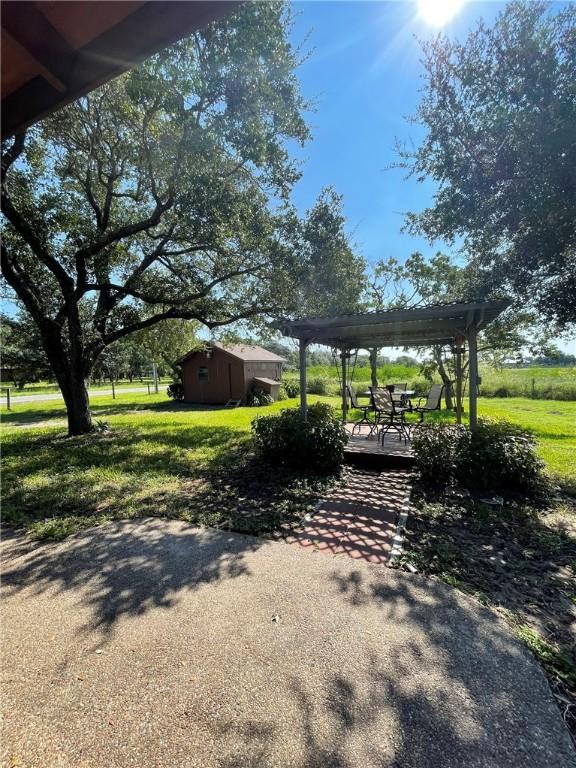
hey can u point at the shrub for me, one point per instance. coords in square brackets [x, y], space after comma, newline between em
[502, 456]
[175, 390]
[316, 444]
[291, 389]
[437, 448]
[496, 456]
[257, 397]
[317, 386]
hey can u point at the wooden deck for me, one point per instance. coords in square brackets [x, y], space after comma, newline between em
[368, 450]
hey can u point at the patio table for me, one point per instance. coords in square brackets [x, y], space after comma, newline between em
[405, 393]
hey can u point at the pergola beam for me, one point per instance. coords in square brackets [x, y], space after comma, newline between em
[457, 312]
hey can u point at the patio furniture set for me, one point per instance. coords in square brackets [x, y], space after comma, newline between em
[387, 409]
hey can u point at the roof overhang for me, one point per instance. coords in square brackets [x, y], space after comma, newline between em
[420, 326]
[55, 52]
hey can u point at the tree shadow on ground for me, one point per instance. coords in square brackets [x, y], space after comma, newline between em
[120, 473]
[28, 415]
[197, 473]
[461, 691]
[126, 568]
[518, 559]
[403, 672]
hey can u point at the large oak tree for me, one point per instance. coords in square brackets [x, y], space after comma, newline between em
[499, 109]
[161, 195]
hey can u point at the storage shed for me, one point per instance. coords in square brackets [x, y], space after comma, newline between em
[220, 373]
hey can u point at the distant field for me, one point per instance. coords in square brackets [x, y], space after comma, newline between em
[540, 383]
[536, 383]
[49, 388]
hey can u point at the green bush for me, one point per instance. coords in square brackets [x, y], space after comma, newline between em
[317, 386]
[496, 457]
[437, 449]
[257, 397]
[316, 444]
[502, 456]
[291, 389]
[175, 391]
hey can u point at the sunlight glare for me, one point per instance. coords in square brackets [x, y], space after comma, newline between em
[438, 12]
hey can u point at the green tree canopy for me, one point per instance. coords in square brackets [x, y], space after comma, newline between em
[438, 280]
[499, 110]
[151, 198]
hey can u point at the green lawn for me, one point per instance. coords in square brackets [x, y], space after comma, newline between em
[158, 458]
[541, 383]
[50, 388]
[162, 458]
[552, 421]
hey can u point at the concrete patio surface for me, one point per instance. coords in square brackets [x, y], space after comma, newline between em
[152, 643]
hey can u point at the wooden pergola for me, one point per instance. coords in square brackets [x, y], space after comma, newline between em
[444, 324]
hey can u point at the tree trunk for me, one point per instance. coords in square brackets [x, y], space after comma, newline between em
[72, 371]
[75, 396]
[445, 377]
[374, 367]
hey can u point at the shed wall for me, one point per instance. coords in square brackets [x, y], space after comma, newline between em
[225, 378]
[229, 378]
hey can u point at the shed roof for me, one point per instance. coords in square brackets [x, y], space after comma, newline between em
[245, 352]
[264, 380]
[419, 326]
[54, 52]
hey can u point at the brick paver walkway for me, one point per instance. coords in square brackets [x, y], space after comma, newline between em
[359, 519]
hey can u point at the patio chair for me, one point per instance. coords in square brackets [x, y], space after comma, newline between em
[389, 415]
[433, 401]
[366, 409]
[394, 388]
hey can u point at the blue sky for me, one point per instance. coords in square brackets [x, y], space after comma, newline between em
[363, 75]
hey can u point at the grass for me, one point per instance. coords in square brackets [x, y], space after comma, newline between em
[539, 383]
[50, 388]
[161, 458]
[158, 458]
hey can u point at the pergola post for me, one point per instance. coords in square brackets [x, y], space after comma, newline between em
[458, 381]
[303, 378]
[473, 369]
[344, 359]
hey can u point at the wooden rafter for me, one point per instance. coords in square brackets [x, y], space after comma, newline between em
[49, 62]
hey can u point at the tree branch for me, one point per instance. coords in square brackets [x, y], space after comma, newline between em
[13, 153]
[28, 233]
[16, 278]
[127, 230]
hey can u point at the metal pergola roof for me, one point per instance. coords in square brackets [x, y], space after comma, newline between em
[419, 326]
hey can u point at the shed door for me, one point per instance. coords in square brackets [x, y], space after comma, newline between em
[230, 380]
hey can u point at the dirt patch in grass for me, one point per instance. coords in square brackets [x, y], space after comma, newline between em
[252, 497]
[519, 560]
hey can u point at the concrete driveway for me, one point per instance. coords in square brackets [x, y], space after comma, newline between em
[152, 643]
[58, 395]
